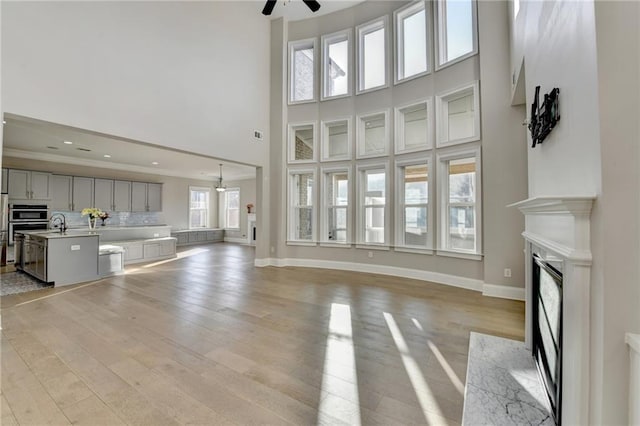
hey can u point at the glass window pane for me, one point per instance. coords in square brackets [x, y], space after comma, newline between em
[461, 117]
[302, 74]
[415, 226]
[374, 134]
[337, 224]
[338, 134]
[373, 46]
[415, 44]
[374, 224]
[304, 224]
[416, 188]
[303, 191]
[458, 20]
[338, 68]
[375, 187]
[338, 189]
[233, 218]
[233, 199]
[462, 180]
[415, 125]
[303, 142]
[462, 227]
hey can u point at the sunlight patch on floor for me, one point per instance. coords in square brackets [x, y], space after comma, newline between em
[333, 403]
[428, 403]
[457, 383]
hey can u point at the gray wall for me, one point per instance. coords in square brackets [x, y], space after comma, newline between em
[503, 141]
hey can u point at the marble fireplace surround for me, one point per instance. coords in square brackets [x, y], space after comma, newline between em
[558, 229]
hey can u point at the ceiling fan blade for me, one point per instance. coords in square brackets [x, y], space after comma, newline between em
[312, 4]
[268, 7]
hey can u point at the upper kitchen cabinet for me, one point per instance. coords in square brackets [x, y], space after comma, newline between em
[154, 197]
[146, 197]
[121, 196]
[5, 180]
[29, 185]
[61, 190]
[103, 194]
[82, 193]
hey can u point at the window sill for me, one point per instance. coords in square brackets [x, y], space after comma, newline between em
[456, 60]
[412, 77]
[232, 229]
[306, 101]
[460, 255]
[372, 246]
[331, 98]
[404, 249]
[335, 245]
[372, 89]
[302, 243]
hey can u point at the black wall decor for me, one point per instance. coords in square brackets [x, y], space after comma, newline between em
[544, 117]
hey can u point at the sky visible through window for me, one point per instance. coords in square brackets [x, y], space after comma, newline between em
[338, 55]
[415, 44]
[374, 61]
[459, 27]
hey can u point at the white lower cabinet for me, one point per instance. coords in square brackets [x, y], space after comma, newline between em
[148, 250]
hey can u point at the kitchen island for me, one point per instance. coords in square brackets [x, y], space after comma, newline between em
[61, 258]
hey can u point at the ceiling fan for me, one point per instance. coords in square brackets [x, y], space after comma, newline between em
[270, 4]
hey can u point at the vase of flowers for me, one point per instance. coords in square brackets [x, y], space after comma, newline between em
[103, 217]
[249, 207]
[93, 214]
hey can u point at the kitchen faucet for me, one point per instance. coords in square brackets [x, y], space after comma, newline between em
[58, 220]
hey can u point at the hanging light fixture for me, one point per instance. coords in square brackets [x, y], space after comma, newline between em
[219, 186]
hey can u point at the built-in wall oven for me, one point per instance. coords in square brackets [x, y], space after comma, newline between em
[26, 217]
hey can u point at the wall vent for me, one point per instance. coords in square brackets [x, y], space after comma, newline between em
[258, 135]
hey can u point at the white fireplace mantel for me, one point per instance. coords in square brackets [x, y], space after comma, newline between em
[558, 229]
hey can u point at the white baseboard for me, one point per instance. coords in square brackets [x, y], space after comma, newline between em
[436, 277]
[503, 291]
[235, 240]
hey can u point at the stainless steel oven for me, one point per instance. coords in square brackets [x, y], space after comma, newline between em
[27, 217]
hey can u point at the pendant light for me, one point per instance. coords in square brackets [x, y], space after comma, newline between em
[219, 186]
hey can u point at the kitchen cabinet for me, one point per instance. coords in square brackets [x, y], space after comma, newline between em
[82, 193]
[28, 185]
[137, 251]
[146, 197]
[103, 194]
[61, 191]
[5, 180]
[121, 196]
[198, 236]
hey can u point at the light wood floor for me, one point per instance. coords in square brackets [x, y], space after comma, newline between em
[209, 339]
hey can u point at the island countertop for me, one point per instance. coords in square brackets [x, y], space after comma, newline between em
[53, 234]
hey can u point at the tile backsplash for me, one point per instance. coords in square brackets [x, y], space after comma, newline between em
[75, 219]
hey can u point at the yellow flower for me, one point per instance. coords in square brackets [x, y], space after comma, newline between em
[93, 212]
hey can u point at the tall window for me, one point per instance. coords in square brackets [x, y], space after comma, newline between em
[458, 116]
[336, 209]
[301, 70]
[412, 214]
[411, 41]
[460, 201]
[199, 207]
[232, 209]
[336, 51]
[301, 205]
[456, 30]
[372, 55]
[372, 217]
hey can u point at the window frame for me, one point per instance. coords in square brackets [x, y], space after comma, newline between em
[398, 40]
[208, 215]
[324, 206]
[361, 133]
[442, 116]
[362, 168]
[291, 147]
[361, 31]
[399, 127]
[291, 48]
[325, 41]
[440, 32]
[291, 240]
[399, 242]
[443, 158]
[225, 209]
[324, 139]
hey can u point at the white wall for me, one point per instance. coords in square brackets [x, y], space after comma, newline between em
[175, 191]
[590, 50]
[187, 75]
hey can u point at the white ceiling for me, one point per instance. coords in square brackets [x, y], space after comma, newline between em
[38, 140]
[295, 10]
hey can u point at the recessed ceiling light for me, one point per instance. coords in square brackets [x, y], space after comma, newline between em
[155, 163]
[106, 156]
[67, 142]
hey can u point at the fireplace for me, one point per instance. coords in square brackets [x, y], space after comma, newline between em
[547, 329]
[557, 231]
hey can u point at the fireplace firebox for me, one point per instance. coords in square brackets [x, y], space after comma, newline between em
[547, 329]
